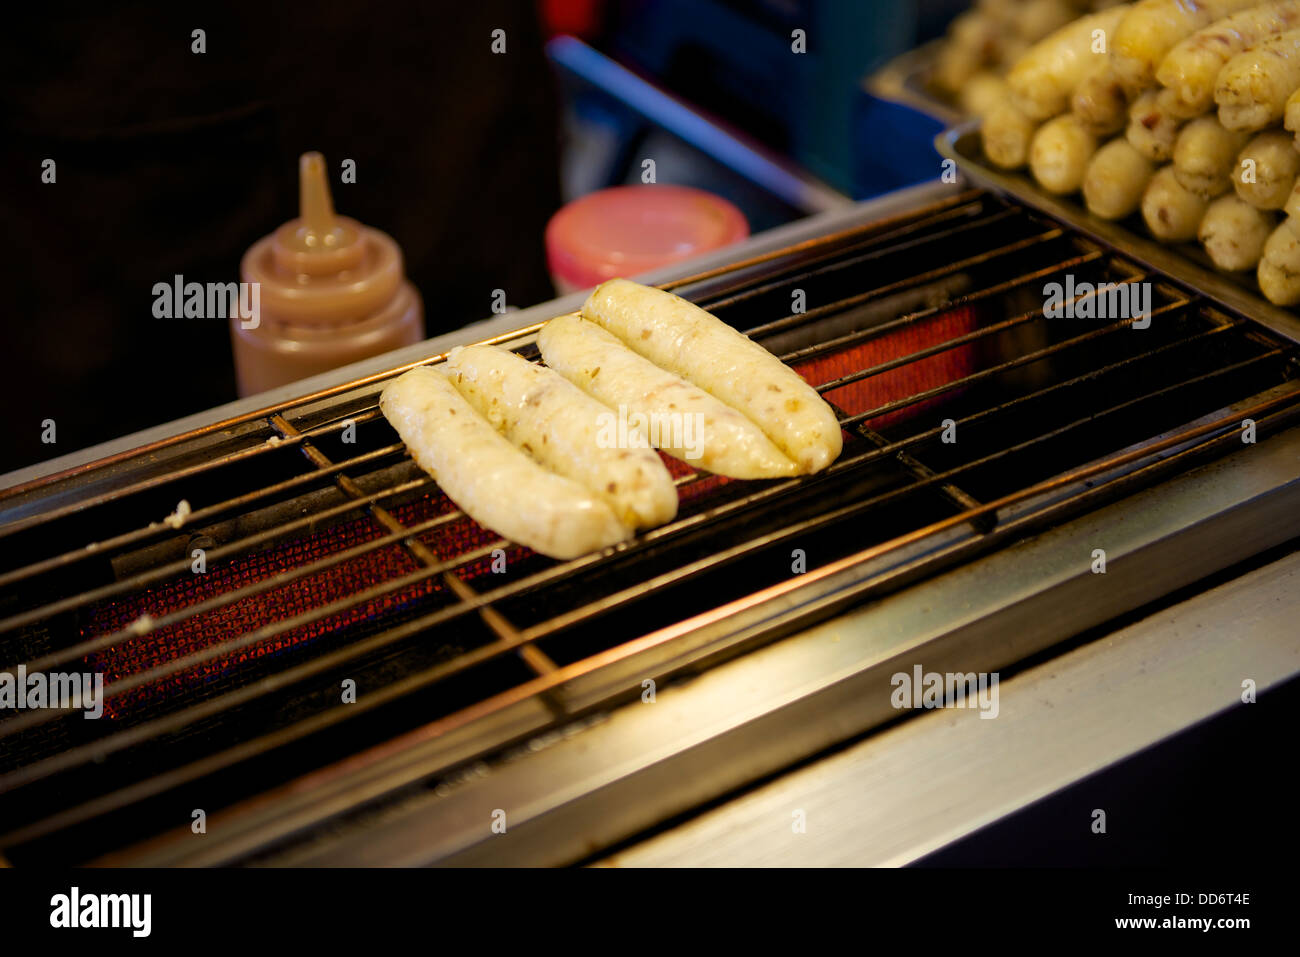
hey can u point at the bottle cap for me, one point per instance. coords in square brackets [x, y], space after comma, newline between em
[322, 268]
[628, 230]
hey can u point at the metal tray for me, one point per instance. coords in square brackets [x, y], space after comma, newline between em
[1183, 261]
[902, 80]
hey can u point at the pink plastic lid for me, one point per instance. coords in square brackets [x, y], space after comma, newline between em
[627, 230]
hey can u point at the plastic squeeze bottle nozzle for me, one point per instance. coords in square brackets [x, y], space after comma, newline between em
[331, 291]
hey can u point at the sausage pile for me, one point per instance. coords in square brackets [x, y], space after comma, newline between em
[1181, 110]
[561, 458]
[985, 41]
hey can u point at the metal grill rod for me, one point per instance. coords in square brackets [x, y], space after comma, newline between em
[533, 658]
[837, 262]
[263, 448]
[830, 241]
[221, 600]
[811, 267]
[171, 569]
[238, 548]
[288, 438]
[295, 806]
[270, 583]
[896, 448]
[882, 329]
[148, 787]
[195, 518]
[586, 612]
[189, 471]
[202, 514]
[911, 282]
[821, 246]
[557, 623]
[179, 665]
[1009, 365]
[984, 332]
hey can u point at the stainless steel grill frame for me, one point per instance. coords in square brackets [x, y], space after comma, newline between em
[558, 694]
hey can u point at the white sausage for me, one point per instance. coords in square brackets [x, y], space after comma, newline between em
[1203, 156]
[1233, 232]
[1059, 154]
[1006, 134]
[1171, 212]
[1279, 266]
[489, 479]
[1099, 101]
[1189, 70]
[567, 431]
[1151, 129]
[1154, 27]
[1265, 170]
[1116, 178]
[682, 419]
[1044, 78]
[1252, 89]
[684, 339]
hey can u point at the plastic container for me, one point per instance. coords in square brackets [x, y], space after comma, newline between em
[629, 230]
[332, 291]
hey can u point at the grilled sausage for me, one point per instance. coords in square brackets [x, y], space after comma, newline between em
[1006, 134]
[1099, 101]
[1115, 180]
[1035, 19]
[681, 419]
[1190, 69]
[490, 479]
[1171, 212]
[983, 92]
[567, 431]
[1291, 115]
[1279, 266]
[1151, 129]
[1252, 89]
[1010, 49]
[1233, 232]
[685, 340]
[1203, 156]
[1002, 11]
[1154, 27]
[1266, 170]
[1043, 79]
[1059, 154]
[958, 61]
[1292, 207]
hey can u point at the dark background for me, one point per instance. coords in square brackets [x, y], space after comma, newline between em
[171, 162]
[174, 162]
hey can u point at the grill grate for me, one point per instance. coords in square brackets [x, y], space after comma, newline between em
[331, 557]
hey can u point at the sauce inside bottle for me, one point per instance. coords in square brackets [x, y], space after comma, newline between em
[332, 291]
